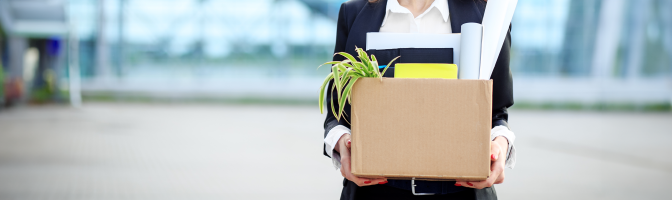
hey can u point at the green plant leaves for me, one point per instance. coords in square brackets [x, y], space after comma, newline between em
[329, 63]
[344, 74]
[346, 92]
[324, 85]
[347, 56]
[388, 65]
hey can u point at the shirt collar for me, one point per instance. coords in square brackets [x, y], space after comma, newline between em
[393, 6]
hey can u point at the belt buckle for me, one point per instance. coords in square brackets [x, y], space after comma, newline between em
[413, 188]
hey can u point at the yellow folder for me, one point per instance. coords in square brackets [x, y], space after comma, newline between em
[425, 70]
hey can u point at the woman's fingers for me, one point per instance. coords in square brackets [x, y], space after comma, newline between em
[345, 170]
[494, 151]
[381, 181]
[496, 176]
[367, 181]
[496, 170]
[500, 178]
[461, 183]
[469, 184]
[478, 184]
[343, 142]
[362, 181]
[500, 164]
[346, 173]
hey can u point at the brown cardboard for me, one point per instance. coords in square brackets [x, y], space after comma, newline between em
[427, 129]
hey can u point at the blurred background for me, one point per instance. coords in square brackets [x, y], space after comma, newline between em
[205, 99]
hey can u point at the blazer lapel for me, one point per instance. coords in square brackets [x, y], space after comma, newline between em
[369, 19]
[461, 12]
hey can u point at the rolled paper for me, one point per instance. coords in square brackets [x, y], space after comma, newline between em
[496, 20]
[470, 55]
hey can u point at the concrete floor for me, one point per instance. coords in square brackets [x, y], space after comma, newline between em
[188, 151]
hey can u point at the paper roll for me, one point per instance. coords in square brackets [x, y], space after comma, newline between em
[470, 47]
[496, 19]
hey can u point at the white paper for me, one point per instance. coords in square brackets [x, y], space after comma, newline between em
[470, 55]
[498, 15]
[378, 40]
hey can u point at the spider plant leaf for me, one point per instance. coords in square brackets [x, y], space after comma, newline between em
[367, 65]
[347, 56]
[350, 65]
[364, 57]
[355, 69]
[346, 61]
[345, 71]
[324, 85]
[360, 72]
[360, 66]
[346, 93]
[347, 80]
[333, 110]
[363, 68]
[329, 63]
[388, 65]
[391, 61]
[350, 85]
[353, 77]
[346, 119]
[374, 63]
[346, 77]
[341, 66]
[360, 55]
[347, 65]
[337, 79]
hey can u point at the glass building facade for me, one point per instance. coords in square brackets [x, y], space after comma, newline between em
[196, 44]
[550, 38]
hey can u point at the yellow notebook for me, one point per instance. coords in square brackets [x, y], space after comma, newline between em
[425, 70]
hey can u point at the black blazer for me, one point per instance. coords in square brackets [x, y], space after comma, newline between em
[357, 17]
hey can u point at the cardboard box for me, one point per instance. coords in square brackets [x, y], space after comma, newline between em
[427, 129]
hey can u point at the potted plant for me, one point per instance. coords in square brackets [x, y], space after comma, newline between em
[345, 73]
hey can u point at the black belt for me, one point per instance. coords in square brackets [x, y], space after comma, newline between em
[426, 187]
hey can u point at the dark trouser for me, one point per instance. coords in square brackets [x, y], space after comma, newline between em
[353, 192]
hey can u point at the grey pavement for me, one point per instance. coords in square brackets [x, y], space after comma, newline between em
[190, 151]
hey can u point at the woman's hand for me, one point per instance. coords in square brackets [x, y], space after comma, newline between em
[498, 149]
[343, 148]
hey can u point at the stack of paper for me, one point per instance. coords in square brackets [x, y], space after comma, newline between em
[378, 40]
[475, 50]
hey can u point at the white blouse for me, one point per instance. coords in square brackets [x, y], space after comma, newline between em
[398, 19]
[434, 20]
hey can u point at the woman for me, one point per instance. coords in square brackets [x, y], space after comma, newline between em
[356, 18]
